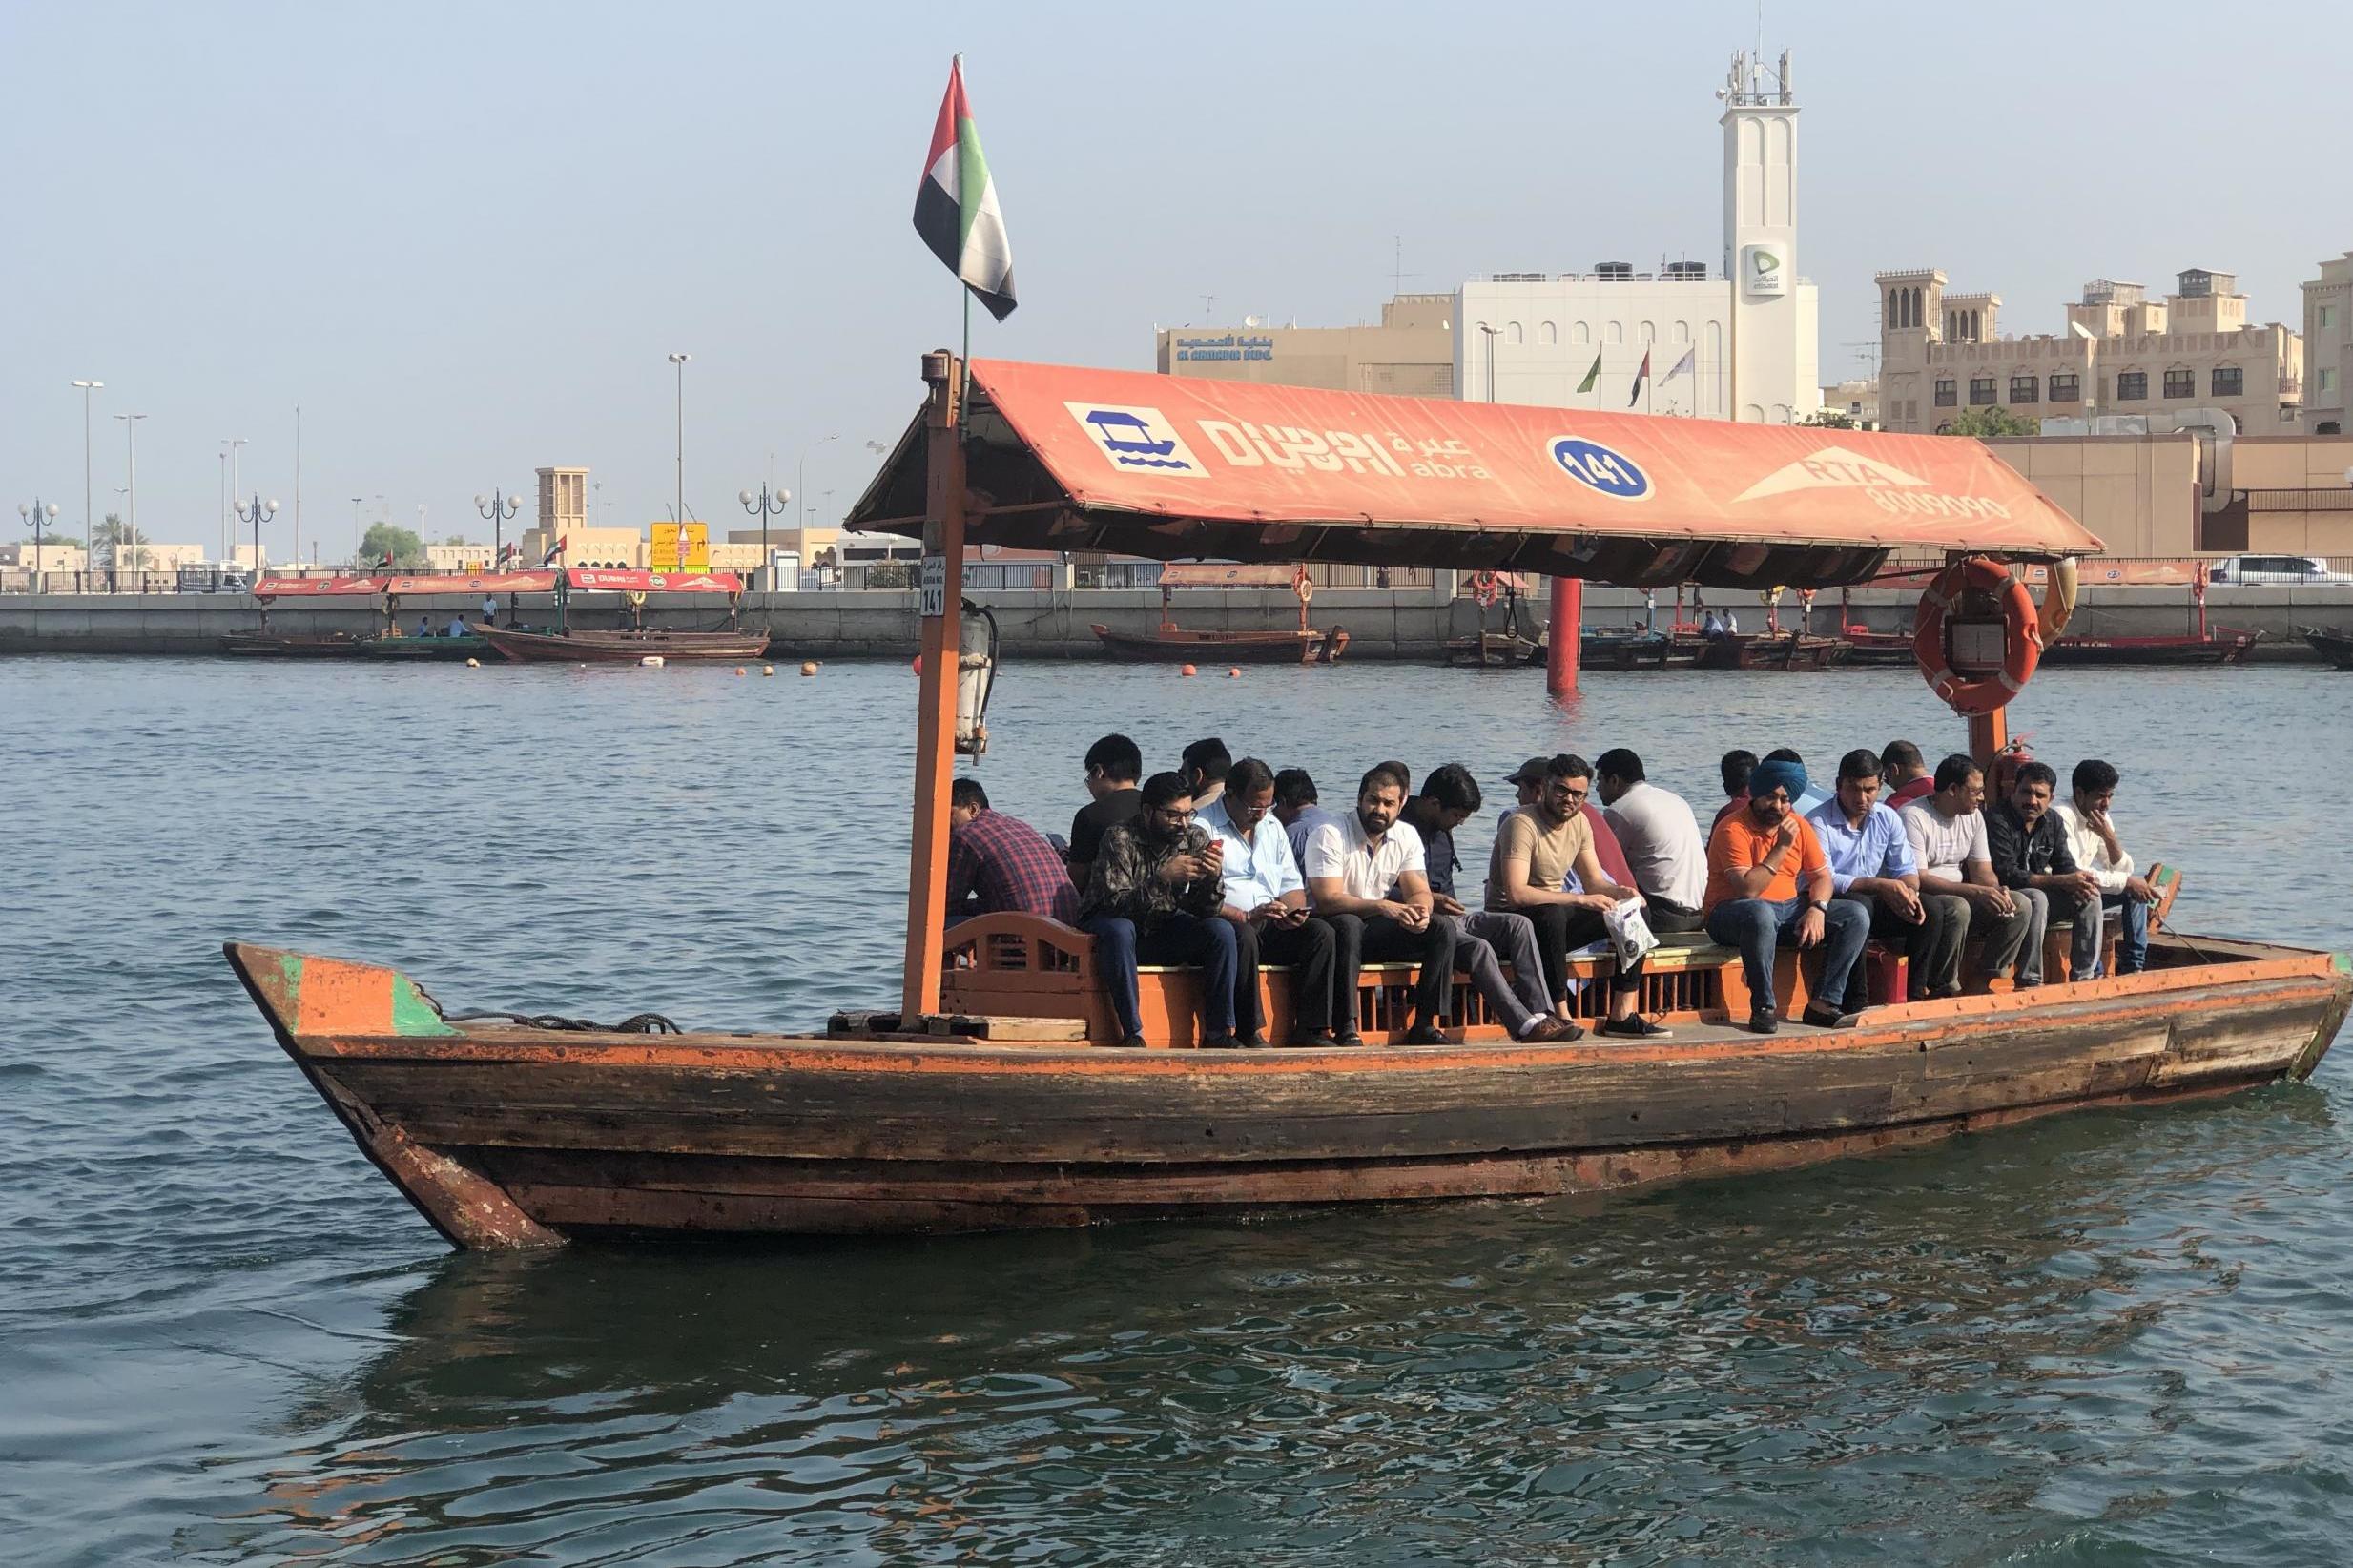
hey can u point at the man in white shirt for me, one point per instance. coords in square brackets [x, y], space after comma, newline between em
[1353, 864]
[1947, 830]
[1662, 840]
[1266, 900]
[2093, 838]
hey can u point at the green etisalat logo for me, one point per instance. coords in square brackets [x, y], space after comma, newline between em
[1764, 261]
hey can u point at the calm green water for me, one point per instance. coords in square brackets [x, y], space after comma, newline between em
[2113, 1338]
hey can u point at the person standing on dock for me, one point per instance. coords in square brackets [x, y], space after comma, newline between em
[1267, 902]
[1353, 864]
[489, 610]
[1113, 765]
[1872, 864]
[1767, 879]
[1154, 897]
[2032, 857]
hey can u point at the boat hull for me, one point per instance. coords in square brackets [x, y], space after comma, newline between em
[624, 646]
[1787, 651]
[427, 649]
[1176, 646]
[2226, 648]
[2336, 647]
[510, 1136]
[258, 646]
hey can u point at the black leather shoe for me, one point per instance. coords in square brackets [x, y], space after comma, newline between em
[1828, 1018]
[1764, 1022]
[1222, 1040]
[1348, 1037]
[1421, 1034]
[1134, 1042]
[1252, 1041]
[1320, 1040]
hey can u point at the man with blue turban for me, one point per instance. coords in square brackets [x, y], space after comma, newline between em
[1768, 881]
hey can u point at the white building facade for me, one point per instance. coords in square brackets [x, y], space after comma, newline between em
[1741, 340]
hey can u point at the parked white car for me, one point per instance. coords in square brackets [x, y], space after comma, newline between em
[2277, 570]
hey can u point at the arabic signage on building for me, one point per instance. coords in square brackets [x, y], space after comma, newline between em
[1229, 346]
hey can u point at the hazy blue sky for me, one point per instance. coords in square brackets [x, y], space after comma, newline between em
[465, 237]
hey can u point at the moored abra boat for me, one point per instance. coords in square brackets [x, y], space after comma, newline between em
[636, 642]
[993, 1096]
[1172, 644]
[2333, 644]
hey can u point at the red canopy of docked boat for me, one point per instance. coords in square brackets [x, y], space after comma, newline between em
[1171, 467]
[599, 580]
[479, 582]
[1224, 574]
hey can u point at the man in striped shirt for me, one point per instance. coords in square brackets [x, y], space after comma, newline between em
[997, 862]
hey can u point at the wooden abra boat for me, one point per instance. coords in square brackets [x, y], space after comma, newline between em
[2334, 645]
[567, 645]
[1172, 644]
[257, 644]
[1763, 651]
[995, 1095]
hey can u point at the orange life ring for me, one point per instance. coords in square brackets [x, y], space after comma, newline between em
[1485, 587]
[1982, 693]
[1305, 588]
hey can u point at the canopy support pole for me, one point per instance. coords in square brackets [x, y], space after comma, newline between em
[1988, 735]
[942, 645]
[1564, 638]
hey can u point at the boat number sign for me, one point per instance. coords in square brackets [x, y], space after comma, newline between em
[934, 587]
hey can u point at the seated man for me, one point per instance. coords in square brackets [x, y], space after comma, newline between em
[1266, 901]
[1203, 766]
[1871, 862]
[1536, 848]
[1295, 808]
[1734, 771]
[1813, 794]
[1905, 776]
[1354, 862]
[1768, 879]
[1113, 765]
[997, 862]
[1448, 797]
[1153, 898]
[1666, 854]
[2030, 852]
[2093, 838]
[1948, 833]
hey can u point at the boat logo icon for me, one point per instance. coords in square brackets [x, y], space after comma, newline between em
[1138, 440]
[1600, 467]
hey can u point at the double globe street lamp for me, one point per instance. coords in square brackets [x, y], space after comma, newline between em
[497, 509]
[255, 513]
[40, 516]
[766, 505]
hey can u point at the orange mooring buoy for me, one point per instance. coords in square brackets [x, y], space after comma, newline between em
[1233, 674]
[916, 664]
[1187, 670]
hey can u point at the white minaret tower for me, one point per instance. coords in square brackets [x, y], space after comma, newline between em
[1773, 350]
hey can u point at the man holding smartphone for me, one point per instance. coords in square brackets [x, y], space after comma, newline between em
[1153, 896]
[1266, 903]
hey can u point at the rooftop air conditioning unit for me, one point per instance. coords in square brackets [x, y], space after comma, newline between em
[1614, 272]
[1686, 272]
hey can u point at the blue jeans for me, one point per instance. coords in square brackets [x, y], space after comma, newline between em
[1173, 938]
[2132, 916]
[1756, 927]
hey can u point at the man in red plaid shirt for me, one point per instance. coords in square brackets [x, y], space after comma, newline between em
[996, 862]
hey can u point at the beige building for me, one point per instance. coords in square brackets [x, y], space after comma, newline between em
[53, 556]
[2122, 354]
[2329, 346]
[563, 515]
[457, 557]
[1410, 352]
[2185, 494]
[1858, 400]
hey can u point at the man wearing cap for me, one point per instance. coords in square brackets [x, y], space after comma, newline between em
[1768, 881]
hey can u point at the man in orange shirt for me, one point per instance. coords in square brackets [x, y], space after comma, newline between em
[1768, 879]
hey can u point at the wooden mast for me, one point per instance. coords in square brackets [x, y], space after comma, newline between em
[941, 588]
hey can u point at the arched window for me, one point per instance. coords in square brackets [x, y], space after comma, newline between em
[1682, 332]
[1650, 333]
[1511, 333]
[1895, 316]
[1580, 334]
[1547, 335]
[1615, 333]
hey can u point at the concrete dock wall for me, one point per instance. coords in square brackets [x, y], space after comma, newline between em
[1381, 624]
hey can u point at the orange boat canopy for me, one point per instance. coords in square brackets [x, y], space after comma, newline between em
[1065, 458]
[1226, 574]
[601, 580]
[305, 588]
[481, 582]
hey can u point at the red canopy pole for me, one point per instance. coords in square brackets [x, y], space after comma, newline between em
[1565, 635]
[934, 733]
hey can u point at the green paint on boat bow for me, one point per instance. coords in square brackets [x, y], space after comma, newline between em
[412, 1014]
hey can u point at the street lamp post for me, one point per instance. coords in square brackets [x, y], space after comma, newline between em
[236, 483]
[39, 515]
[496, 509]
[355, 534]
[130, 462]
[1490, 332]
[253, 514]
[87, 387]
[680, 361]
[769, 503]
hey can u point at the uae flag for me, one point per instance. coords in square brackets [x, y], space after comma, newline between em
[1640, 376]
[956, 208]
[557, 550]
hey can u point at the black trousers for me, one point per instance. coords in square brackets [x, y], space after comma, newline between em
[1382, 939]
[1932, 949]
[1309, 949]
[1558, 928]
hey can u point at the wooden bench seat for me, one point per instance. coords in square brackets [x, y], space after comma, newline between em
[1029, 966]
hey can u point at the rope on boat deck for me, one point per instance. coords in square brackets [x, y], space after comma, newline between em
[636, 1023]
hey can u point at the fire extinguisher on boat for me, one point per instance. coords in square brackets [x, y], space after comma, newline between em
[976, 675]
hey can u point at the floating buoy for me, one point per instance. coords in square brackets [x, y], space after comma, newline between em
[768, 669]
[1233, 674]
[1188, 670]
[653, 661]
[917, 664]
[810, 667]
[739, 670]
[473, 664]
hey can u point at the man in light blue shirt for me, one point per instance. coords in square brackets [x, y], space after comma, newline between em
[1266, 900]
[1873, 864]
